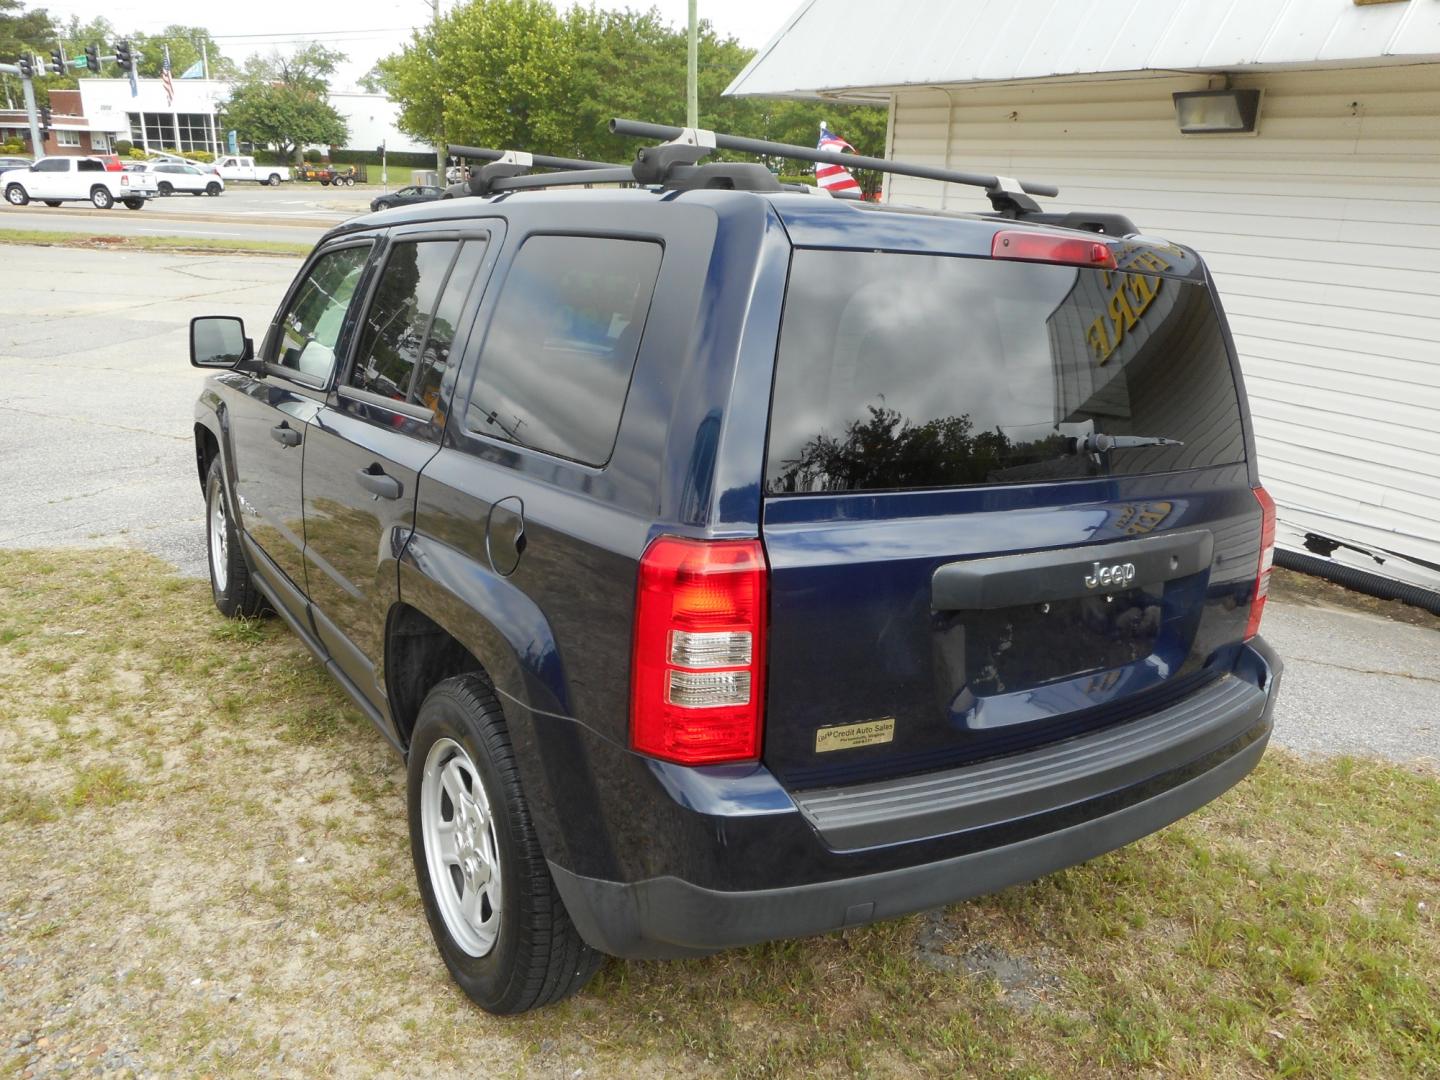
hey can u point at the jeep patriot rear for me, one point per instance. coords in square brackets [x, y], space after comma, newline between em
[741, 564]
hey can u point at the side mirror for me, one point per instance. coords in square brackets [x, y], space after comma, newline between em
[219, 341]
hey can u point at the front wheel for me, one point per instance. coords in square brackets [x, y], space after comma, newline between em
[102, 198]
[15, 195]
[166, 188]
[274, 180]
[212, 188]
[52, 202]
[496, 917]
[235, 594]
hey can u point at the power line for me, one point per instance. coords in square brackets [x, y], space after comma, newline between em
[296, 35]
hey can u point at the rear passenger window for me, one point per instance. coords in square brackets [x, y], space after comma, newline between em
[393, 334]
[556, 363]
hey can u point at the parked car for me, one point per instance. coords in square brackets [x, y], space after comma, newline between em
[14, 163]
[731, 563]
[160, 156]
[53, 180]
[246, 168]
[170, 178]
[405, 196]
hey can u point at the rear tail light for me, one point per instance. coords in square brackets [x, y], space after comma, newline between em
[1267, 559]
[697, 672]
[1050, 248]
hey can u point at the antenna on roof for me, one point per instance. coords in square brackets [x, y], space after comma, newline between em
[1006, 195]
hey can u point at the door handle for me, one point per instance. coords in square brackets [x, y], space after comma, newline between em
[284, 434]
[375, 481]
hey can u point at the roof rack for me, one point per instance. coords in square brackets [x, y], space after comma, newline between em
[675, 165]
[1006, 195]
[507, 166]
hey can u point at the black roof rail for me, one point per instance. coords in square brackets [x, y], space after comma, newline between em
[505, 165]
[688, 145]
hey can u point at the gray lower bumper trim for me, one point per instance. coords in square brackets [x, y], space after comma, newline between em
[667, 917]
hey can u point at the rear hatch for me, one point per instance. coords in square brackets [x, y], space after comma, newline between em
[953, 575]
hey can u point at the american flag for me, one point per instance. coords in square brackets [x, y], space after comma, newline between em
[834, 177]
[166, 80]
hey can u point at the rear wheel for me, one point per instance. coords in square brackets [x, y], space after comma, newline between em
[15, 195]
[235, 594]
[274, 180]
[52, 202]
[501, 927]
[349, 181]
[102, 198]
[135, 203]
[212, 188]
[166, 188]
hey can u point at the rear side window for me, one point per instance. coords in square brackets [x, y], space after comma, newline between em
[88, 165]
[556, 363]
[911, 371]
[408, 330]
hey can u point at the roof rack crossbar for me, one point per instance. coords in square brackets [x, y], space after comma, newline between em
[615, 174]
[539, 161]
[1004, 192]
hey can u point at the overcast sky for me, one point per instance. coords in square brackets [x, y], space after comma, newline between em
[380, 26]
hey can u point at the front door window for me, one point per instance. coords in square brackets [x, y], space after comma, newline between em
[310, 327]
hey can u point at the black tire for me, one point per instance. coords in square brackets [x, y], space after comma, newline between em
[101, 198]
[16, 195]
[135, 204]
[52, 202]
[166, 188]
[537, 957]
[213, 188]
[274, 180]
[235, 593]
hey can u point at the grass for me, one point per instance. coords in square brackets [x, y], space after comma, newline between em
[197, 825]
[199, 244]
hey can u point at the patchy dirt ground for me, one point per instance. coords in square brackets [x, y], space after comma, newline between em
[204, 870]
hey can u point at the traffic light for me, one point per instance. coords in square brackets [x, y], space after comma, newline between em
[27, 67]
[58, 64]
[92, 58]
[380, 149]
[44, 117]
[123, 56]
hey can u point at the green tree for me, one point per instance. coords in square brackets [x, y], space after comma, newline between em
[492, 72]
[185, 50]
[280, 101]
[20, 32]
[516, 74]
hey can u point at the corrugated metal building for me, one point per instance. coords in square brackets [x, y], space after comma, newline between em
[1322, 228]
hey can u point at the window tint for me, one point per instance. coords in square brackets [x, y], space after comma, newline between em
[393, 335]
[907, 371]
[89, 165]
[52, 165]
[557, 360]
[311, 325]
[435, 357]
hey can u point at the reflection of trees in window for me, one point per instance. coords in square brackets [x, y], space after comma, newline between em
[393, 327]
[888, 451]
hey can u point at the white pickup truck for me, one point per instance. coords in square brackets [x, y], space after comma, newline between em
[244, 168]
[53, 180]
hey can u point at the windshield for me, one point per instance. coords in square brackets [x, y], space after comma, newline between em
[911, 371]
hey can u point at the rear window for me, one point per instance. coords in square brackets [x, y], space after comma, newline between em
[911, 371]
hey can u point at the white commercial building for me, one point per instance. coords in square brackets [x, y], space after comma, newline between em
[371, 120]
[1322, 225]
[150, 121]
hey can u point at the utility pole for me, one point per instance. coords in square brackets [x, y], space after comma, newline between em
[692, 74]
[439, 146]
[26, 70]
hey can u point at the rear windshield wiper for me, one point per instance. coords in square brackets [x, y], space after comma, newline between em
[1100, 443]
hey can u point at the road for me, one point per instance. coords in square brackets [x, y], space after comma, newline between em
[291, 213]
[96, 448]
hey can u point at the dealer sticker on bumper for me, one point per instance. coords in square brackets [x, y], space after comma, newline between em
[848, 736]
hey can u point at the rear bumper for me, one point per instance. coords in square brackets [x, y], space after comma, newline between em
[1119, 797]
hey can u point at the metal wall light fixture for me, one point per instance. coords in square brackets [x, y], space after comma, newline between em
[1217, 112]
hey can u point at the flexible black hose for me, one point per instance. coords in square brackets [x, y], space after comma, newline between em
[1360, 580]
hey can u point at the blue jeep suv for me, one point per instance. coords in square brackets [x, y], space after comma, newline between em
[732, 563]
